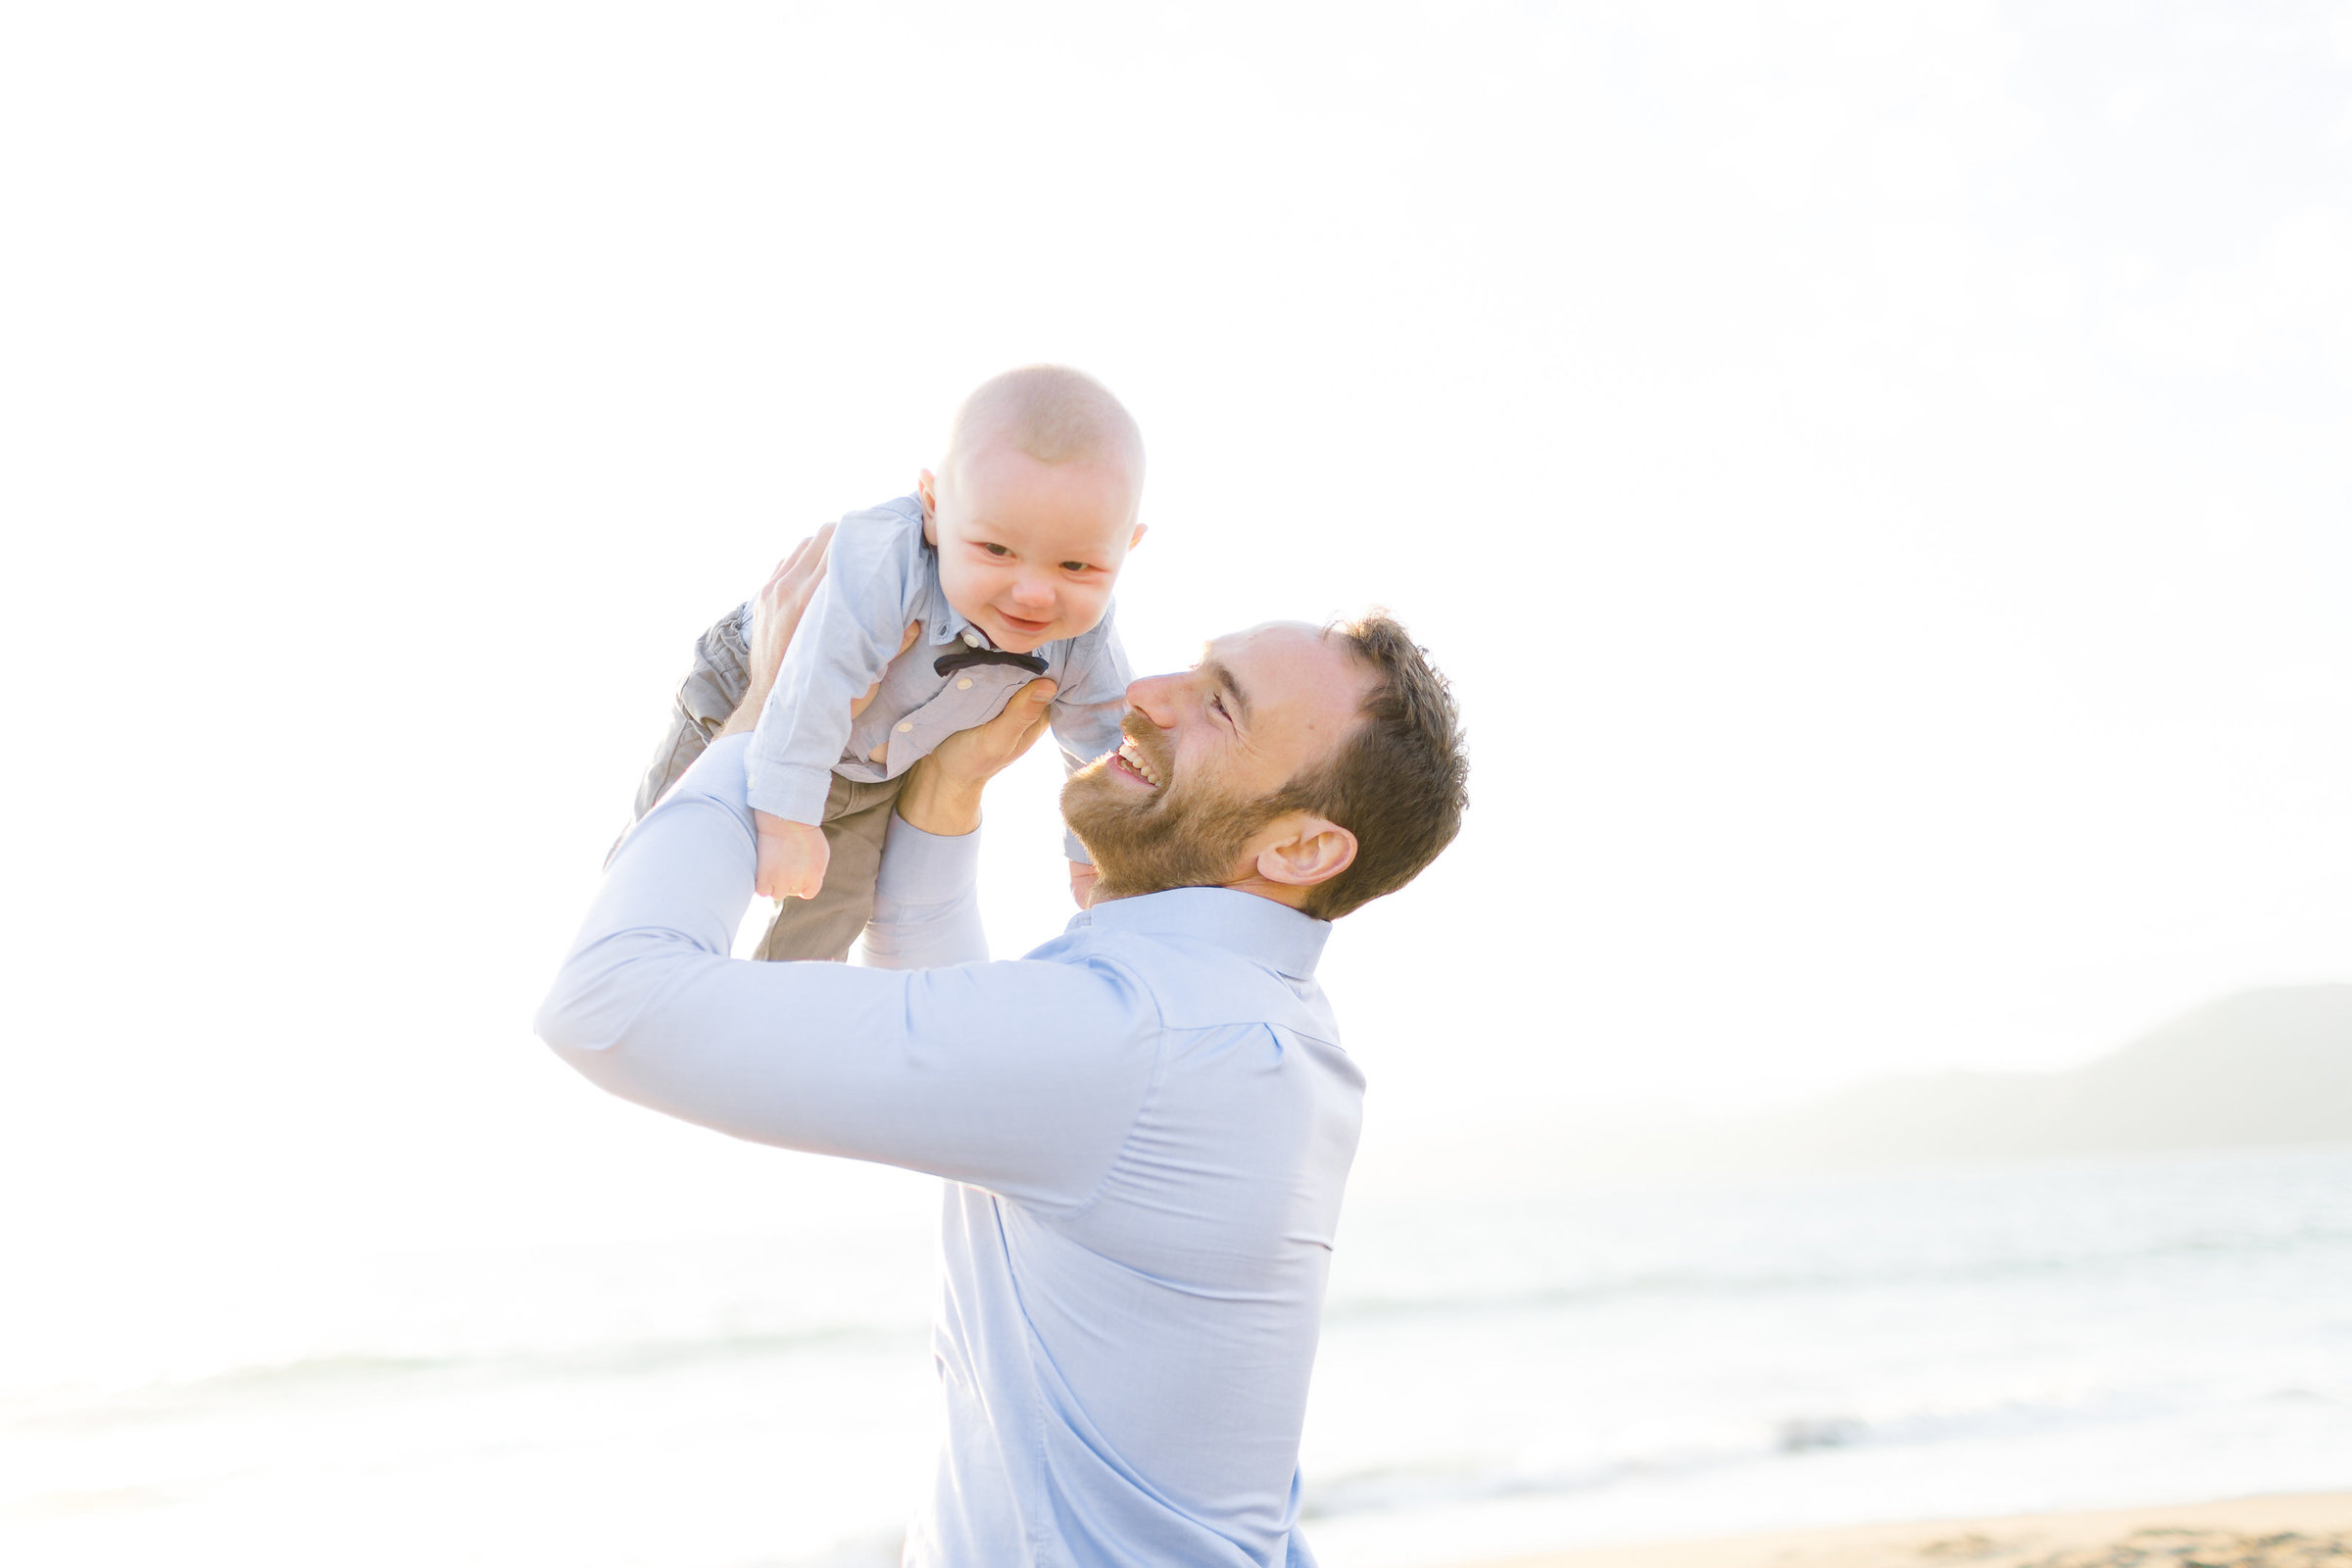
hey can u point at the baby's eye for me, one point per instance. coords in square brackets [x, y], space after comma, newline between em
[996, 549]
[1073, 565]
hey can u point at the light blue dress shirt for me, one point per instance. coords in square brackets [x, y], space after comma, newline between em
[879, 577]
[1145, 1126]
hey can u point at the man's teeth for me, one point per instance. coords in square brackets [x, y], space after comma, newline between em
[1135, 759]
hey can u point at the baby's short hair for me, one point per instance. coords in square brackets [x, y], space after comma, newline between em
[1054, 414]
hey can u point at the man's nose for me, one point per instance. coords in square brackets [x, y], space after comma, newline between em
[1157, 698]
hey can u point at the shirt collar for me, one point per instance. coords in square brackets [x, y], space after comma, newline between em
[1258, 928]
[942, 622]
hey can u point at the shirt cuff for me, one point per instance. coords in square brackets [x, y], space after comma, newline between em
[789, 790]
[921, 869]
[1071, 849]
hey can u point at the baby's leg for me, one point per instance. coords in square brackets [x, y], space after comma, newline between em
[707, 697]
[827, 926]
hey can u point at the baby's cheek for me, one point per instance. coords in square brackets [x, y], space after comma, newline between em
[1084, 607]
[965, 588]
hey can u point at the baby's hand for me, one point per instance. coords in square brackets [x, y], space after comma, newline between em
[793, 857]
[1082, 884]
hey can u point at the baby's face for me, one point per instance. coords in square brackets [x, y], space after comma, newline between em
[1028, 551]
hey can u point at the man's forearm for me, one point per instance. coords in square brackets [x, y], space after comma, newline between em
[746, 716]
[926, 902]
[941, 803]
[1022, 1078]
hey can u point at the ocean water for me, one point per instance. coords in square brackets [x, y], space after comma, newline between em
[1637, 1363]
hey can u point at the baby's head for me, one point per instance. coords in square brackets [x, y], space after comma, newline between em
[1033, 508]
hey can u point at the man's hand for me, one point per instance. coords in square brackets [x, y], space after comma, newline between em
[793, 857]
[942, 794]
[1082, 883]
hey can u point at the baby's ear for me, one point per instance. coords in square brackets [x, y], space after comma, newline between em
[924, 487]
[1136, 537]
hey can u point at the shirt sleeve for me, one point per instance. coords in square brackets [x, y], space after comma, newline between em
[1023, 1077]
[846, 639]
[926, 902]
[1086, 714]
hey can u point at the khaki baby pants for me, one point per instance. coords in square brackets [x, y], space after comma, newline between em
[857, 816]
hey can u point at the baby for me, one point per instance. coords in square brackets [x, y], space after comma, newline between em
[934, 609]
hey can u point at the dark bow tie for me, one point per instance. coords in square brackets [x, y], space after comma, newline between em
[963, 656]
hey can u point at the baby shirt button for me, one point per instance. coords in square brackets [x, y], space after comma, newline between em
[907, 726]
[971, 639]
[964, 685]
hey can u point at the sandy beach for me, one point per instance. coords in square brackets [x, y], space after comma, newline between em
[2283, 1532]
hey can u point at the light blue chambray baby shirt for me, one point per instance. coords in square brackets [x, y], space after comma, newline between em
[1145, 1127]
[879, 577]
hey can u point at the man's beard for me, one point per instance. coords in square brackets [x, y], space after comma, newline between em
[1173, 837]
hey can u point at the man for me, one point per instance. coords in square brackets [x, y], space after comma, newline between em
[1145, 1124]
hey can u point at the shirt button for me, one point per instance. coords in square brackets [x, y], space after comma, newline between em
[964, 685]
[971, 639]
[907, 727]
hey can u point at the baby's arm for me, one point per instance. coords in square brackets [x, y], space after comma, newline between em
[856, 625]
[1086, 716]
[793, 856]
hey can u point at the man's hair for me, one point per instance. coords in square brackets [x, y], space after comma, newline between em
[1054, 414]
[1400, 783]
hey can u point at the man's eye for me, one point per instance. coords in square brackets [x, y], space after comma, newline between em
[1217, 699]
[996, 549]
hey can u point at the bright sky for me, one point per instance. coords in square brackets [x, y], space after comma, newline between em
[1878, 476]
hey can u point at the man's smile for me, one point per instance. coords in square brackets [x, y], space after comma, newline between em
[1130, 759]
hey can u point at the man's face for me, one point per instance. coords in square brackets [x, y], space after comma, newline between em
[1207, 750]
[1028, 551]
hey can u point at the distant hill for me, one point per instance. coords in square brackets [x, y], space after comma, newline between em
[2270, 1066]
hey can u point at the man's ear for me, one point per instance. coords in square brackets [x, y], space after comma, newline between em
[1307, 849]
[925, 487]
[1136, 537]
